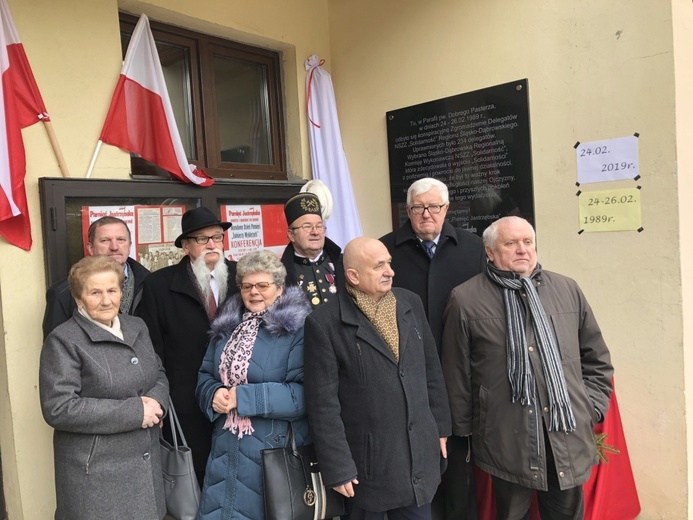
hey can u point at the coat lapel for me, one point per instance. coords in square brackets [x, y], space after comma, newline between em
[97, 334]
[405, 325]
[181, 281]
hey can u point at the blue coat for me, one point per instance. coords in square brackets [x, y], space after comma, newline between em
[273, 396]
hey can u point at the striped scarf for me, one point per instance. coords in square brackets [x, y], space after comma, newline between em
[520, 371]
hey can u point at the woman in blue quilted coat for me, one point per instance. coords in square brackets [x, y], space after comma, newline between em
[250, 385]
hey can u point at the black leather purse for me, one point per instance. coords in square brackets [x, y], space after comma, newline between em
[293, 484]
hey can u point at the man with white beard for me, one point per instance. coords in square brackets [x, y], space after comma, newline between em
[178, 305]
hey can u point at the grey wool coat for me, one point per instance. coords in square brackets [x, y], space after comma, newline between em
[370, 417]
[106, 465]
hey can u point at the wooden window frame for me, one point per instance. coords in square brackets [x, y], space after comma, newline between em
[202, 48]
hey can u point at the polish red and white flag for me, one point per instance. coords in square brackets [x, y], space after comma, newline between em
[140, 119]
[20, 106]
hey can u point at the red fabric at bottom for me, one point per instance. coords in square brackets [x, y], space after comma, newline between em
[610, 493]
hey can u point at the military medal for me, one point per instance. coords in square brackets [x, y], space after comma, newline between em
[315, 300]
[311, 287]
[330, 280]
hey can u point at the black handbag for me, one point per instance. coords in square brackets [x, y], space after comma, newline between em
[293, 484]
[180, 482]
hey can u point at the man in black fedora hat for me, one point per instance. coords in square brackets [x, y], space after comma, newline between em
[178, 305]
[312, 261]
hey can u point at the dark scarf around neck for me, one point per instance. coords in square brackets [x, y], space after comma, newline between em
[520, 372]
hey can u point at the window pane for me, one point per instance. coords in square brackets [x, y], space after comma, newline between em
[175, 62]
[242, 111]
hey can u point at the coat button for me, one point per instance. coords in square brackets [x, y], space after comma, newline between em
[546, 409]
[401, 373]
[561, 474]
[415, 480]
[134, 361]
[411, 425]
[531, 349]
[146, 456]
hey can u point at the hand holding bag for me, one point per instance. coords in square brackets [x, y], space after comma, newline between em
[293, 484]
[180, 481]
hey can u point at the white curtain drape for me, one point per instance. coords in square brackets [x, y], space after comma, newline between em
[327, 154]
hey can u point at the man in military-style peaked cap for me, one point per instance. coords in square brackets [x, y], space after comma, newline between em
[312, 261]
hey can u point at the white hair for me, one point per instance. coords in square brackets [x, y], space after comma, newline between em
[426, 184]
[322, 192]
[491, 233]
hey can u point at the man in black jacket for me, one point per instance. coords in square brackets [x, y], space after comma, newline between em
[376, 401]
[106, 236]
[178, 305]
[431, 257]
[312, 261]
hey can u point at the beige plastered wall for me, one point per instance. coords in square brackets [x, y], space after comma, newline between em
[74, 50]
[683, 61]
[596, 70]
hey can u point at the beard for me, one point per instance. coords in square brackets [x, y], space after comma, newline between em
[203, 274]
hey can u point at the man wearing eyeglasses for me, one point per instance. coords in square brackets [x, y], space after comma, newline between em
[431, 257]
[178, 305]
[312, 261]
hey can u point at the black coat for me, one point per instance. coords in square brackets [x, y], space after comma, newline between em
[60, 304]
[459, 256]
[178, 325]
[370, 417]
[331, 249]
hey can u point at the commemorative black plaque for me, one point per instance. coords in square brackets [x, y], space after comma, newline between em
[477, 143]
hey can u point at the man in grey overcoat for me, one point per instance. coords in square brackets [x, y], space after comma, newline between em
[528, 375]
[375, 396]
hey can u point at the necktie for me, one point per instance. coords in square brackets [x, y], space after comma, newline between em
[212, 300]
[429, 247]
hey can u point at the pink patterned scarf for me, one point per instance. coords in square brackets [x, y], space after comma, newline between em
[233, 366]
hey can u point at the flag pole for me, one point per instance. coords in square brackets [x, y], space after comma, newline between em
[93, 159]
[56, 147]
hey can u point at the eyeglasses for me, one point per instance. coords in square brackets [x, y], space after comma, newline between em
[261, 286]
[433, 209]
[202, 239]
[308, 228]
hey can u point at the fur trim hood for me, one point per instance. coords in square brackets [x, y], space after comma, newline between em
[285, 316]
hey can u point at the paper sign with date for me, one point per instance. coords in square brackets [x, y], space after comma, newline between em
[610, 210]
[608, 160]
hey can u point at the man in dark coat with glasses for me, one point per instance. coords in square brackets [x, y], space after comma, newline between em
[431, 257]
[178, 305]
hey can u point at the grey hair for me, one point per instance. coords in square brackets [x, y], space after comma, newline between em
[491, 233]
[88, 266]
[263, 261]
[426, 184]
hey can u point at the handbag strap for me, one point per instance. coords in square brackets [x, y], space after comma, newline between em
[305, 464]
[176, 427]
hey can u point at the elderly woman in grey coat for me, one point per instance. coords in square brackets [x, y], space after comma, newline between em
[103, 390]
